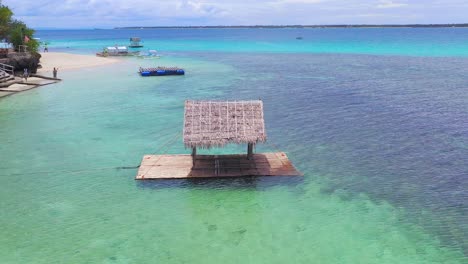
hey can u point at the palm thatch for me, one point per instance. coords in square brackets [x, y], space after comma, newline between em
[210, 124]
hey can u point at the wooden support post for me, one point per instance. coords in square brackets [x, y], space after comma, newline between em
[250, 147]
[194, 154]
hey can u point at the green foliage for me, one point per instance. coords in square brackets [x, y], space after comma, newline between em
[5, 19]
[15, 30]
[5, 14]
[18, 31]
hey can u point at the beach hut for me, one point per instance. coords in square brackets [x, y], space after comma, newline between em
[5, 48]
[210, 124]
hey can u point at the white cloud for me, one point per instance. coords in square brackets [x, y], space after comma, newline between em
[111, 13]
[199, 8]
[302, 1]
[390, 4]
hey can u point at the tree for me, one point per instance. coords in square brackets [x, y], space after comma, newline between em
[16, 31]
[5, 19]
[20, 34]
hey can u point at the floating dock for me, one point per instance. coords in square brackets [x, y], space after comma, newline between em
[209, 124]
[215, 166]
[161, 71]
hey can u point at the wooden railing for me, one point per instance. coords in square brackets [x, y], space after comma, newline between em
[7, 68]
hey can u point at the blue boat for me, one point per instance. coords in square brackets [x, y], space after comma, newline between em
[161, 71]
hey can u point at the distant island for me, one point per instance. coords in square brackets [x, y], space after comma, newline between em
[312, 26]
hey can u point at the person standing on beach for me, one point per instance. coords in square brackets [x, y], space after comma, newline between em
[25, 74]
[55, 72]
[46, 49]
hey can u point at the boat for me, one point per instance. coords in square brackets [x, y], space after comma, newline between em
[148, 54]
[115, 51]
[135, 43]
[161, 71]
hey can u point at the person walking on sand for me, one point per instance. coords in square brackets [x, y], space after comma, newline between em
[25, 74]
[55, 72]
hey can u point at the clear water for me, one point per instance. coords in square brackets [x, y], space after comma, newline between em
[377, 41]
[382, 141]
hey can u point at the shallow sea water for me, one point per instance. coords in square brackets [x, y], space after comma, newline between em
[382, 141]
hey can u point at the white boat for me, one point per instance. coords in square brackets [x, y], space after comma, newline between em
[115, 51]
[148, 54]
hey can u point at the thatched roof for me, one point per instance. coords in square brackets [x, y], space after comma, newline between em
[216, 123]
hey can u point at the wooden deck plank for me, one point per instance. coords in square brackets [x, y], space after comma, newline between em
[212, 166]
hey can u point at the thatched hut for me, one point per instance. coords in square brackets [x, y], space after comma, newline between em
[210, 124]
[135, 43]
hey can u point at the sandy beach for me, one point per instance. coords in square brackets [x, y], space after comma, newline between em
[67, 61]
[62, 61]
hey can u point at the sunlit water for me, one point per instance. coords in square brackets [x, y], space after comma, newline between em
[382, 141]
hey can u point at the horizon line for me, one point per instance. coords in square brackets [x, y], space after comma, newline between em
[270, 26]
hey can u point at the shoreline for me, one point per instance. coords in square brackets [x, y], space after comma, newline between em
[44, 75]
[68, 61]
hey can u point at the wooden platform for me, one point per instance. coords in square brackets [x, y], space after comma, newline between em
[209, 166]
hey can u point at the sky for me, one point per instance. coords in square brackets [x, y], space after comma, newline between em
[121, 13]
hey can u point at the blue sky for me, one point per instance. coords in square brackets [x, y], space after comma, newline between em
[114, 13]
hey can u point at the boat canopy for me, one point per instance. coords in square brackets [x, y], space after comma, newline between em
[117, 49]
[122, 48]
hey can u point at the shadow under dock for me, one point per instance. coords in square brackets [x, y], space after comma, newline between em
[214, 166]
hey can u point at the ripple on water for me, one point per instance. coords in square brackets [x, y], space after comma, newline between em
[382, 148]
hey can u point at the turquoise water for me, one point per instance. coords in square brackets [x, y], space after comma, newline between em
[377, 41]
[382, 141]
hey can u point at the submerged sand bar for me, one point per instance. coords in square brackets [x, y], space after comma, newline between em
[213, 166]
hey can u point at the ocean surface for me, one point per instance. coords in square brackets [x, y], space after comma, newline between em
[376, 119]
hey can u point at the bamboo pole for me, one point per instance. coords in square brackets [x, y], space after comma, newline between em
[194, 154]
[250, 147]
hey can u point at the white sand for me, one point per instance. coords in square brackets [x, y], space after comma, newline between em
[66, 61]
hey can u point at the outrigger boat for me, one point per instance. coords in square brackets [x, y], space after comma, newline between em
[161, 71]
[116, 51]
[148, 54]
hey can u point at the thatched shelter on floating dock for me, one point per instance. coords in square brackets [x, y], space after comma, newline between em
[209, 124]
[135, 43]
[214, 124]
